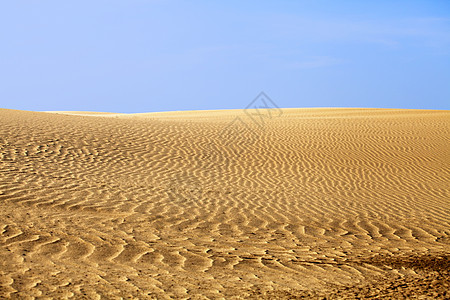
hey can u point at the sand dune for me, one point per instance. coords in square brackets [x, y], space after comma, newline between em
[342, 203]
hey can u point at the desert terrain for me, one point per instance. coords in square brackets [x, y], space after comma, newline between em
[233, 204]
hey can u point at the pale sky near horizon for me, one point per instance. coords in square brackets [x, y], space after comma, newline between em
[162, 55]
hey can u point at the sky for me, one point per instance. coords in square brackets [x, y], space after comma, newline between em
[161, 55]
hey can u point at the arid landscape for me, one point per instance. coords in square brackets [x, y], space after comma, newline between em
[292, 203]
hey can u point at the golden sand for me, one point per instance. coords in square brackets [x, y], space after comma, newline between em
[342, 203]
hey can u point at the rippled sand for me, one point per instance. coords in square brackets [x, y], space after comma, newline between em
[208, 204]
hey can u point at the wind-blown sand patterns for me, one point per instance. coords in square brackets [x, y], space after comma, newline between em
[342, 203]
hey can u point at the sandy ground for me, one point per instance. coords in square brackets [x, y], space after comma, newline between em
[292, 203]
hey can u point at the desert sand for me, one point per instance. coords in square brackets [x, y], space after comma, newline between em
[292, 203]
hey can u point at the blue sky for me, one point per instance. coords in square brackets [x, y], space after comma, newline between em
[161, 55]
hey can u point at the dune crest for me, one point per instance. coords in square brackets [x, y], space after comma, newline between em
[313, 202]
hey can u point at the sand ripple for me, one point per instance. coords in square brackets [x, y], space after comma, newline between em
[344, 202]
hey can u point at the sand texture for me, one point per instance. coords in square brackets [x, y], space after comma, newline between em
[337, 203]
